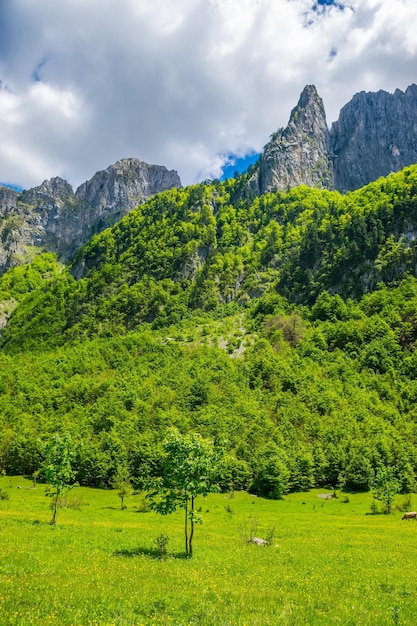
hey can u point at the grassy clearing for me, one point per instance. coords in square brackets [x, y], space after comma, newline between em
[228, 333]
[330, 562]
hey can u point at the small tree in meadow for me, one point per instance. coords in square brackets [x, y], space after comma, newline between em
[57, 468]
[386, 487]
[121, 482]
[190, 466]
[35, 476]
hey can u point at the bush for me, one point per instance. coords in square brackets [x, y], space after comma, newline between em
[374, 508]
[161, 545]
[4, 495]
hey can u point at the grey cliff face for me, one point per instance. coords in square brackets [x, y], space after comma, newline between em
[298, 154]
[8, 199]
[52, 217]
[376, 134]
[55, 188]
[126, 184]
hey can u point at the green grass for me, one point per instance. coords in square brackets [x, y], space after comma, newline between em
[330, 562]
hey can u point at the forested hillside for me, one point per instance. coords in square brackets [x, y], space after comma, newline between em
[283, 325]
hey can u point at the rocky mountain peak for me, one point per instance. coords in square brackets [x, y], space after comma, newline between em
[53, 217]
[376, 134]
[298, 154]
[53, 189]
[309, 112]
[126, 184]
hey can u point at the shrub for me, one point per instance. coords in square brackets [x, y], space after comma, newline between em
[374, 508]
[4, 495]
[161, 545]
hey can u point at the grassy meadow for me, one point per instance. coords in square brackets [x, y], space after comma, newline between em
[331, 562]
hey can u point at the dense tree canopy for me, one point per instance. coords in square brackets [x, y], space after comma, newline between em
[284, 325]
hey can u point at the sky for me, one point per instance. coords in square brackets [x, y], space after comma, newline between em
[195, 85]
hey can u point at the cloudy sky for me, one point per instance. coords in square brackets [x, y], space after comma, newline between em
[184, 83]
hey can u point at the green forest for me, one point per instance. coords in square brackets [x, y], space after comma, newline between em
[282, 326]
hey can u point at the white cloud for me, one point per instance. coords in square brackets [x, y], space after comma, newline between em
[181, 84]
[61, 104]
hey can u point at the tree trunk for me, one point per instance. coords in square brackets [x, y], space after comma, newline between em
[53, 520]
[190, 543]
[186, 527]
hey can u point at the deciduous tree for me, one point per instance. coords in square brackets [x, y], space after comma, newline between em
[190, 468]
[121, 482]
[386, 486]
[57, 468]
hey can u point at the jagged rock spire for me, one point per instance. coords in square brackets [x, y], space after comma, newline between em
[298, 154]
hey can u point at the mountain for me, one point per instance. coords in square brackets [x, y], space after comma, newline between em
[203, 247]
[298, 154]
[283, 326]
[376, 134]
[52, 217]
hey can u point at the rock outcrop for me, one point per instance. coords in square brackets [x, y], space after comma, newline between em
[298, 154]
[376, 134]
[52, 217]
[124, 185]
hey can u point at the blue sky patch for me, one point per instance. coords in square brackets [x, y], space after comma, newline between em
[15, 187]
[238, 164]
[36, 74]
[320, 5]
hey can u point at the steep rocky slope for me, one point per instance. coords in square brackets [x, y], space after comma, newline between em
[52, 217]
[298, 154]
[376, 134]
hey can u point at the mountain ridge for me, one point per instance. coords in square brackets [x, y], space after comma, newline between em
[55, 218]
[204, 247]
[376, 133]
